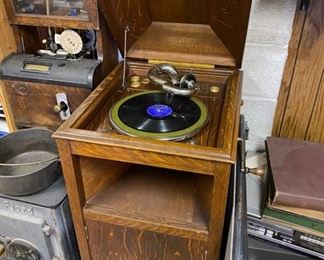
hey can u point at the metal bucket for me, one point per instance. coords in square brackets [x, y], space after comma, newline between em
[29, 162]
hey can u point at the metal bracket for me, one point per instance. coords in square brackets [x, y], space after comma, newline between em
[125, 56]
[243, 136]
[62, 98]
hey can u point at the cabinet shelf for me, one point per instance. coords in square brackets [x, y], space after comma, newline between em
[158, 199]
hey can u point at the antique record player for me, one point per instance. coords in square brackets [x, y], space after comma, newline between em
[64, 51]
[147, 156]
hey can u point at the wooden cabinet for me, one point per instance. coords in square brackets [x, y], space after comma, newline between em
[55, 13]
[33, 104]
[180, 198]
[7, 45]
[141, 198]
[300, 111]
[36, 26]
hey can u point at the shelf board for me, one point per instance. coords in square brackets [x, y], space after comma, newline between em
[152, 199]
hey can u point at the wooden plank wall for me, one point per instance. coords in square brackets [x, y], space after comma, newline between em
[7, 46]
[300, 109]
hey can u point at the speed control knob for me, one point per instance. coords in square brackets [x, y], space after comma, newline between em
[62, 107]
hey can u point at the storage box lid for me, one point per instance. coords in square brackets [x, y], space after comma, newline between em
[188, 31]
[49, 70]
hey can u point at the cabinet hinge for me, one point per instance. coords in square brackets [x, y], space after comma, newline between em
[184, 64]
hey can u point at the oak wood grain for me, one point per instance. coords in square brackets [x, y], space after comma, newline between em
[204, 187]
[100, 102]
[189, 11]
[315, 131]
[206, 165]
[127, 154]
[228, 130]
[173, 207]
[55, 21]
[7, 45]
[32, 103]
[121, 14]
[229, 20]
[153, 199]
[218, 204]
[307, 76]
[110, 241]
[294, 43]
[194, 43]
[75, 190]
[106, 173]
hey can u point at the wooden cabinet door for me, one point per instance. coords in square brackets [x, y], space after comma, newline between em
[300, 109]
[7, 45]
[81, 14]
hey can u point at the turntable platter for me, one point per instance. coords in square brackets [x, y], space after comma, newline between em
[159, 115]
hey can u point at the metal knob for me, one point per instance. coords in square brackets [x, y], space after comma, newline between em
[62, 107]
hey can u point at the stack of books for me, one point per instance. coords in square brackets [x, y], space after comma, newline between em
[293, 211]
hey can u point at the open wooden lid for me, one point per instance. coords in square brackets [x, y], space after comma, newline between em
[209, 32]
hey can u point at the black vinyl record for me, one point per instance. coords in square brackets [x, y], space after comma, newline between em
[158, 115]
[159, 112]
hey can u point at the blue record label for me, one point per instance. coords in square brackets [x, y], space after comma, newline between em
[159, 111]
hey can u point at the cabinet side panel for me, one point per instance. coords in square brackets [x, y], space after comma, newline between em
[7, 45]
[161, 246]
[229, 20]
[315, 131]
[108, 241]
[308, 71]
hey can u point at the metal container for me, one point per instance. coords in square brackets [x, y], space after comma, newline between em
[28, 162]
[38, 226]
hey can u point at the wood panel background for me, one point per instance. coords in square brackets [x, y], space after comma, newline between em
[300, 109]
[7, 45]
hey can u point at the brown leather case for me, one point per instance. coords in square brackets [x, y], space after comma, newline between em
[296, 173]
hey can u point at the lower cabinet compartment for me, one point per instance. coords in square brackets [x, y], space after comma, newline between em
[148, 213]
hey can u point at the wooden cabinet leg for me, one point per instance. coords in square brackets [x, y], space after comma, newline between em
[219, 199]
[75, 190]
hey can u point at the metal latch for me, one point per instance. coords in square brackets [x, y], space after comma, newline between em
[62, 106]
[243, 136]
